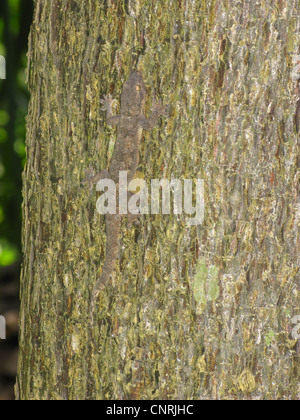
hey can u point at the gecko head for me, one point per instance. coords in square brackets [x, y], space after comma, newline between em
[134, 94]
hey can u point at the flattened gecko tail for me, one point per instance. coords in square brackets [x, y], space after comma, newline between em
[99, 287]
[112, 246]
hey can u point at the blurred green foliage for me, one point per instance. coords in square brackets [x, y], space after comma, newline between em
[15, 21]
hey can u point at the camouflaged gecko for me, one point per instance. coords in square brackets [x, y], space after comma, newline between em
[130, 124]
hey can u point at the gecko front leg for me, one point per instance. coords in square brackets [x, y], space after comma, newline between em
[149, 124]
[107, 103]
[91, 178]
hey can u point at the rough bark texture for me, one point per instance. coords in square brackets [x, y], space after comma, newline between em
[195, 313]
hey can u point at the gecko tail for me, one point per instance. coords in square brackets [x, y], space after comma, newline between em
[103, 281]
[113, 225]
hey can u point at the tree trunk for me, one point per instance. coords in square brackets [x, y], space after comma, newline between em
[191, 312]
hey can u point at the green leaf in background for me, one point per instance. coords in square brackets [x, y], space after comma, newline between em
[15, 21]
[4, 117]
[8, 253]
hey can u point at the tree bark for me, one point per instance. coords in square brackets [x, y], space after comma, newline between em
[190, 313]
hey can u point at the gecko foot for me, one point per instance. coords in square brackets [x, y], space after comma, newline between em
[160, 109]
[107, 102]
[133, 219]
[91, 178]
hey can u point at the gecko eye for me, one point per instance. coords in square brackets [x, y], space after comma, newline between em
[138, 88]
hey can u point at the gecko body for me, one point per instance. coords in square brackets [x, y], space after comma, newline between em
[130, 124]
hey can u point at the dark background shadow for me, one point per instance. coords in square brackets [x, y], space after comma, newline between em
[15, 21]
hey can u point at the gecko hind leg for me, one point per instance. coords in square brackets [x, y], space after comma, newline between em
[91, 178]
[133, 219]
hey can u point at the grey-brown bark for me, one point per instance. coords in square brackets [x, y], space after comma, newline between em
[191, 312]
